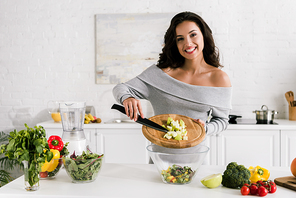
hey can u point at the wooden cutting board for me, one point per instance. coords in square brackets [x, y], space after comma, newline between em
[195, 132]
[287, 182]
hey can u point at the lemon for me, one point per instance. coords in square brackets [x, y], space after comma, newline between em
[56, 116]
[212, 181]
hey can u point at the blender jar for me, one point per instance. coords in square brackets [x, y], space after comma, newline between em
[72, 114]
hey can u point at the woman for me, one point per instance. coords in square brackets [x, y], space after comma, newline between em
[186, 80]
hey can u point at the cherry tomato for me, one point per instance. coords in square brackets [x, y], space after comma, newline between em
[43, 174]
[254, 189]
[245, 190]
[272, 189]
[60, 161]
[260, 182]
[262, 191]
[271, 183]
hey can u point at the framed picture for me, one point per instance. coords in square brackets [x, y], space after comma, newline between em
[126, 44]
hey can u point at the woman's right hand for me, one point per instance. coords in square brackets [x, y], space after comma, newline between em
[132, 106]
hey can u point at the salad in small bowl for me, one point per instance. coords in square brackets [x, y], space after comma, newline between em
[50, 169]
[177, 166]
[83, 168]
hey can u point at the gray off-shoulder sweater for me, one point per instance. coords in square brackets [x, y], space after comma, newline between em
[170, 96]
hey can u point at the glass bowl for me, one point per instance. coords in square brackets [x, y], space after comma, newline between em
[52, 170]
[177, 166]
[83, 170]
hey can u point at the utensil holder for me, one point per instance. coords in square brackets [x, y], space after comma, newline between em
[292, 113]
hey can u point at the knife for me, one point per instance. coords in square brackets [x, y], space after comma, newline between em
[140, 120]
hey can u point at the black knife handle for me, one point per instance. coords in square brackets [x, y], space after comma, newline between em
[119, 108]
[122, 110]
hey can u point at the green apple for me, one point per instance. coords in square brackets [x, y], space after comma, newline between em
[212, 181]
[178, 137]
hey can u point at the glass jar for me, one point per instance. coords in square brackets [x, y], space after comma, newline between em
[31, 177]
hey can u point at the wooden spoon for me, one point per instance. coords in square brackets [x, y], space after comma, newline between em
[290, 98]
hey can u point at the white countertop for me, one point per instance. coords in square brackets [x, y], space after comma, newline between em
[282, 124]
[123, 180]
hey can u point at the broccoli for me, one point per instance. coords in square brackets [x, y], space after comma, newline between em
[235, 176]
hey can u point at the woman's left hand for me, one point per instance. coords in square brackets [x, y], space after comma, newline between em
[200, 122]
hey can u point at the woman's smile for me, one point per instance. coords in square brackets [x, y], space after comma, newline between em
[190, 50]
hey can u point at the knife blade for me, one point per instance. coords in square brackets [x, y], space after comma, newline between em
[140, 120]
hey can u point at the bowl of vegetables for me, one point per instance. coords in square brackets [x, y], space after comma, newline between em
[51, 168]
[177, 166]
[83, 168]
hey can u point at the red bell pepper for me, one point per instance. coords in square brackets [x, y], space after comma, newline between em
[55, 142]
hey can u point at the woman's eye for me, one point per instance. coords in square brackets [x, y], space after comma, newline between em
[179, 39]
[193, 34]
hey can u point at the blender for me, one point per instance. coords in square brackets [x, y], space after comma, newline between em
[72, 114]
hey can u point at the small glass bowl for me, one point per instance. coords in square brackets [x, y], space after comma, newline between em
[83, 171]
[177, 166]
[53, 173]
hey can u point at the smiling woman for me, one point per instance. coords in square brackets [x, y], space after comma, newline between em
[186, 80]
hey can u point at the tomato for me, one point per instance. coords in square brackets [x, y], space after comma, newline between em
[272, 189]
[43, 174]
[254, 189]
[245, 190]
[272, 183]
[262, 191]
[260, 182]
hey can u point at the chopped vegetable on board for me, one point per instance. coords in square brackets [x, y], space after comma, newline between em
[177, 130]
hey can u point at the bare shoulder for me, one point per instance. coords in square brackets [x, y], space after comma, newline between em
[220, 79]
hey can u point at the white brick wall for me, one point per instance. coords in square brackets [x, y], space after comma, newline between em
[47, 52]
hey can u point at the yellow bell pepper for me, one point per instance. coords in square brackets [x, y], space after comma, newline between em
[54, 162]
[258, 173]
[45, 166]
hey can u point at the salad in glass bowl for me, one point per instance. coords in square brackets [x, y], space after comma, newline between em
[83, 168]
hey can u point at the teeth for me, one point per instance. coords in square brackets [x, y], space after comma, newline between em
[190, 50]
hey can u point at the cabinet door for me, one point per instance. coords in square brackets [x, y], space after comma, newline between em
[288, 147]
[249, 147]
[90, 138]
[50, 132]
[122, 146]
[211, 158]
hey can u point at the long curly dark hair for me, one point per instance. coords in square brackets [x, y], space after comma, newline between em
[170, 56]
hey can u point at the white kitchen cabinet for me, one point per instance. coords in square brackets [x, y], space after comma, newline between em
[288, 147]
[122, 145]
[50, 131]
[249, 147]
[211, 158]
